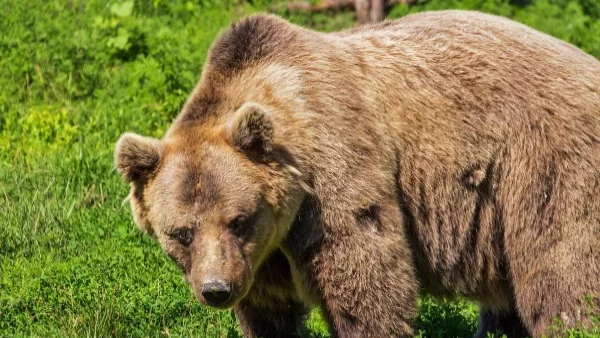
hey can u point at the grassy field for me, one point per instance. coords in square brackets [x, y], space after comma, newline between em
[74, 75]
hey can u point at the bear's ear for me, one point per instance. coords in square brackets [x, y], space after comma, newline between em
[136, 156]
[251, 130]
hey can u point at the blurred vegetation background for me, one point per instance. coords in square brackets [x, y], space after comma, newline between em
[74, 75]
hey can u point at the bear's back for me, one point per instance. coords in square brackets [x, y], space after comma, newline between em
[487, 32]
[469, 63]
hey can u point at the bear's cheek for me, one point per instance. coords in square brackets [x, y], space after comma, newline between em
[181, 257]
[140, 216]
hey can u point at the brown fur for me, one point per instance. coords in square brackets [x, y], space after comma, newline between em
[451, 153]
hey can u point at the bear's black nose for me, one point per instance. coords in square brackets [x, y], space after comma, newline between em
[216, 293]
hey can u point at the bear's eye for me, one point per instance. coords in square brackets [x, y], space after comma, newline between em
[242, 225]
[183, 236]
[238, 223]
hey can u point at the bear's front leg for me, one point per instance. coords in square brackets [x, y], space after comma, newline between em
[367, 286]
[274, 320]
[499, 323]
[271, 309]
[360, 268]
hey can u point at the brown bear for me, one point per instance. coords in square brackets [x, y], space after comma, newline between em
[450, 153]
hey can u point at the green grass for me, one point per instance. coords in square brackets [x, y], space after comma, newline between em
[74, 75]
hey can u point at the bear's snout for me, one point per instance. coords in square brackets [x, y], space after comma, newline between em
[216, 292]
[219, 274]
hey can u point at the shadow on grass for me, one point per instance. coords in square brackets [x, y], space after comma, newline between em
[436, 318]
[446, 319]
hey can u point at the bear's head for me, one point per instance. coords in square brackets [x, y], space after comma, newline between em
[219, 196]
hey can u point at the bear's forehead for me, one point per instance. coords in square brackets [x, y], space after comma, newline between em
[197, 186]
[207, 177]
